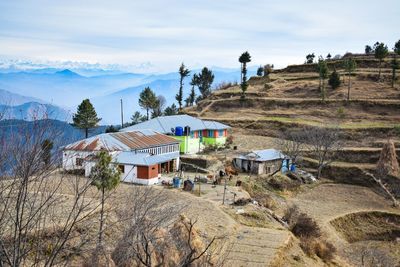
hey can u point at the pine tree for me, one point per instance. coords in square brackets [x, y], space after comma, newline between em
[192, 95]
[368, 50]
[244, 59]
[329, 56]
[137, 117]
[381, 51]
[147, 100]
[183, 73]
[204, 82]
[334, 80]
[111, 129]
[172, 110]
[395, 66]
[395, 63]
[310, 58]
[350, 66]
[86, 117]
[260, 71]
[105, 177]
[323, 74]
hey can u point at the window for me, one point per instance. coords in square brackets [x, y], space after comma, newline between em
[78, 161]
[210, 133]
[121, 168]
[220, 133]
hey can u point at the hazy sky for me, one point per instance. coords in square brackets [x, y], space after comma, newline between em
[206, 32]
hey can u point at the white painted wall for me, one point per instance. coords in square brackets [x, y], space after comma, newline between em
[129, 174]
[146, 181]
[69, 159]
[88, 167]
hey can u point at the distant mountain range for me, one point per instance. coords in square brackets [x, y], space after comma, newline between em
[63, 89]
[61, 133]
[33, 111]
[14, 132]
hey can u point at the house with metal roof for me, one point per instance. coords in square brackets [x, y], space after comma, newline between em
[193, 133]
[261, 161]
[141, 155]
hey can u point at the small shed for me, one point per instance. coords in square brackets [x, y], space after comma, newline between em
[265, 161]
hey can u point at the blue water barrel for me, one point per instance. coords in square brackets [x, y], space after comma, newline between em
[176, 181]
[179, 131]
[293, 167]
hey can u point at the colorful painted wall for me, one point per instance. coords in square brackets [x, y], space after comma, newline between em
[196, 141]
[189, 145]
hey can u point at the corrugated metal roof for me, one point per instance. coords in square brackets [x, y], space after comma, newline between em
[215, 125]
[122, 141]
[263, 155]
[143, 159]
[164, 124]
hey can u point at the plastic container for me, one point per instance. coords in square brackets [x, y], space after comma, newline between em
[179, 131]
[176, 181]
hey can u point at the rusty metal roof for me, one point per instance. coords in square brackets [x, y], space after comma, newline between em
[122, 141]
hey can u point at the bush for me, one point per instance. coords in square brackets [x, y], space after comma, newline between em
[229, 141]
[265, 200]
[397, 129]
[225, 85]
[305, 227]
[341, 113]
[291, 215]
[334, 80]
[323, 249]
[309, 233]
[301, 224]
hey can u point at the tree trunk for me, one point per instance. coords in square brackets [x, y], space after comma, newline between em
[319, 171]
[101, 218]
[86, 132]
[348, 88]
[394, 70]
[147, 113]
[379, 75]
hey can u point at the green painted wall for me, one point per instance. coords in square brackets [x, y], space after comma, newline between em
[220, 141]
[188, 144]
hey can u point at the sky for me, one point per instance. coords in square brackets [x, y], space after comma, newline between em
[158, 35]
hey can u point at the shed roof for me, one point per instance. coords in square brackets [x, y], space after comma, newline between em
[263, 155]
[143, 159]
[164, 124]
[122, 141]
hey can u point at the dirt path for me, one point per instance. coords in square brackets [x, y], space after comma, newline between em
[253, 246]
[248, 246]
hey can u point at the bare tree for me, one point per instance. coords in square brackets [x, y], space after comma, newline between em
[155, 233]
[291, 144]
[323, 143]
[38, 215]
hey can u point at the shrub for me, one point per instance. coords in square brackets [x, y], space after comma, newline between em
[341, 113]
[322, 248]
[265, 200]
[291, 215]
[397, 129]
[306, 227]
[334, 80]
[225, 85]
[301, 224]
[229, 141]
